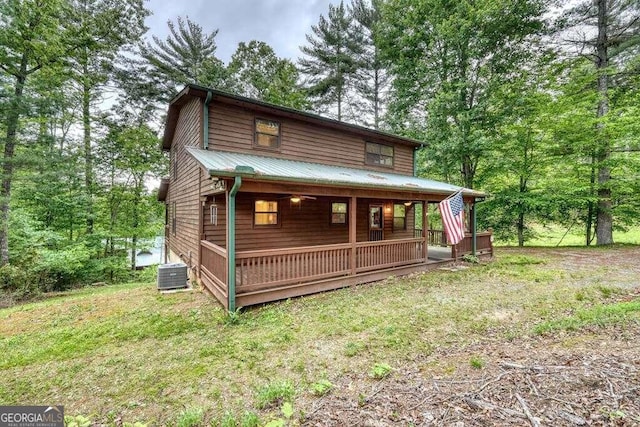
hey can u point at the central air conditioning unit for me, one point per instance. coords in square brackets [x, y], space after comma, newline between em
[172, 276]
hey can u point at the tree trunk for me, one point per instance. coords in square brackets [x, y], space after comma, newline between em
[135, 220]
[13, 118]
[521, 213]
[88, 155]
[604, 221]
[521, 229]
[376, 98]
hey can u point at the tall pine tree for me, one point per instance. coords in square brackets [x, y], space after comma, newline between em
[615, 25]
[371, 80]
[329, 63]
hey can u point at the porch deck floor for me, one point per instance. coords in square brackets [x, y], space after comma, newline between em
[438, 253]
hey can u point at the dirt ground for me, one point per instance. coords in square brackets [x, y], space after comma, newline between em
[590, 377]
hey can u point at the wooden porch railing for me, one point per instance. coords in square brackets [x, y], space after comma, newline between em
[274, 267]
[256, 270]
[388, 253]
[214, 266]
[484, 244]
[436, 237]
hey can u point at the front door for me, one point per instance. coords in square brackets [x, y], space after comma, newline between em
[376, 222]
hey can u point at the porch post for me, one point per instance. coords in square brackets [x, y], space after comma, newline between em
[473, 228]
[425, 230]
[231, 245]
[353, 207]
[200, 221]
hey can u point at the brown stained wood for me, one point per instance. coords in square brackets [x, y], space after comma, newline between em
[254, 186]
[214, 286]
[304, 253]
[302, 249]
[261, 269]
[231, 129]
[214, 248]
[484, 244]
[184, 189]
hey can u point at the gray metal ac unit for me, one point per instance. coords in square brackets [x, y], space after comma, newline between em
[172, 276]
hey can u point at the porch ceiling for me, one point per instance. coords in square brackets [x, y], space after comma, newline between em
[228, 164]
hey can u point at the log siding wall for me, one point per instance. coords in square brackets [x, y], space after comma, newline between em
[231, 128]
[184, 188]
[305, 224]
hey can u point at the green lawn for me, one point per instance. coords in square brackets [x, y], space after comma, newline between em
[554, 235]
[129, 353]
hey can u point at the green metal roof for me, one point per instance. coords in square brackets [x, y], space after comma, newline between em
[228, 164]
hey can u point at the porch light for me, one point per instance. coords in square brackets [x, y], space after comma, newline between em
[295, 199]
[407, 204]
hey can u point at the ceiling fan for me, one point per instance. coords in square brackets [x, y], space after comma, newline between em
[297, 198]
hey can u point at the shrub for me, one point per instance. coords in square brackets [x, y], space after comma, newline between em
[17, 282]
[380, 371]
[191, 417]
[274, 393]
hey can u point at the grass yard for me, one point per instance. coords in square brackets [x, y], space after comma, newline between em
[539, 326]
[556, 235]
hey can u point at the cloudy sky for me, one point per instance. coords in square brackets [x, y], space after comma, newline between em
[280, 23]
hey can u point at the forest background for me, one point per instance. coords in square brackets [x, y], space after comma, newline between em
[535, 102]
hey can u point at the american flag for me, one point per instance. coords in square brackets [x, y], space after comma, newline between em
[452, 212]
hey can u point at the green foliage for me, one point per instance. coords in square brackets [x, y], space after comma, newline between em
[380, 371]
[352, 349]
[477, 362]
[595, 316]
[186, 56]
[256, 72]
[322, 387]
[190, 417]
[329, 62]
[274, 393]
[234, 317]
[17, 282]
[448, 62]
[77, 421]
[471, 259]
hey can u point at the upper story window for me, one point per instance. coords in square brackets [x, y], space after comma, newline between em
[379, 154]
[265, 212]
[267, 134]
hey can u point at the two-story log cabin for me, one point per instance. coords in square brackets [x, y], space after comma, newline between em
[266, 202]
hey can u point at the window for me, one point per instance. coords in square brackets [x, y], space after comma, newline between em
[338, 213]
[267, 134]
[399, 217]
[213, 214]
[265, 212]
[378, 154]
[174, 153]
[173, 218]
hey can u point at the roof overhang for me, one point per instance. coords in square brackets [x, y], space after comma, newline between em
[163, 190]
[194, 91]
[270, 169]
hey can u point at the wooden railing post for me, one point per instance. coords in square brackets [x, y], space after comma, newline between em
[353, 205]
[425, 233]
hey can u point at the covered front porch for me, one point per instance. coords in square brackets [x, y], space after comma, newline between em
[266, 239]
